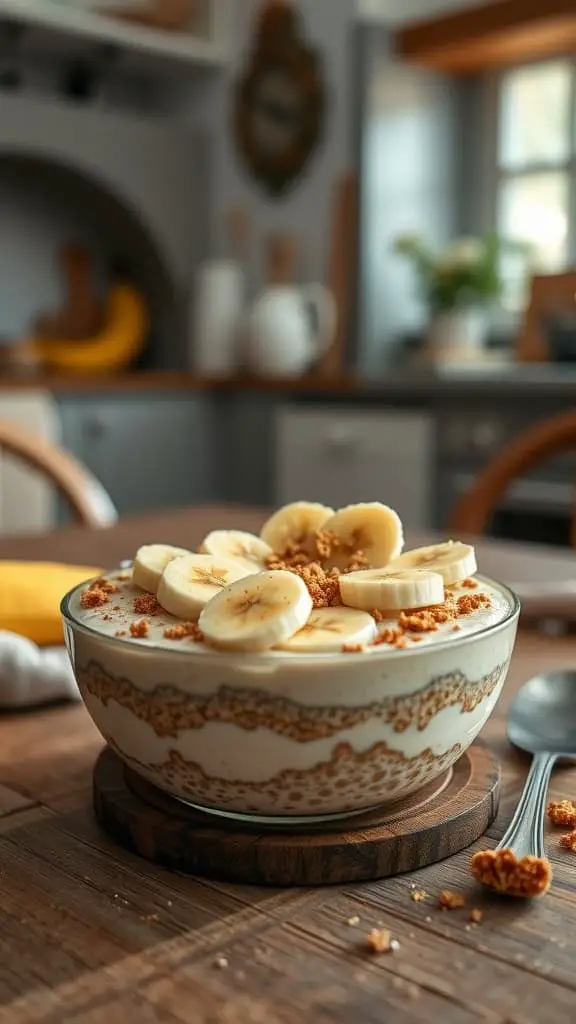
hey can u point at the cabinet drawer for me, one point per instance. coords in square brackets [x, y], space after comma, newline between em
[339, 457]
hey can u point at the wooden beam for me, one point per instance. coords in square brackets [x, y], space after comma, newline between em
[504, 32]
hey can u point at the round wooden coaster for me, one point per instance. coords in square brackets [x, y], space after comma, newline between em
[447, 816]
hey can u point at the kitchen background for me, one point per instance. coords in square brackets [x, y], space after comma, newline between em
[172, 171]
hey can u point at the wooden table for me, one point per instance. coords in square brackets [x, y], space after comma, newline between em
[90, 933]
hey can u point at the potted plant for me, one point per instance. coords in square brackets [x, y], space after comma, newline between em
[458, 285]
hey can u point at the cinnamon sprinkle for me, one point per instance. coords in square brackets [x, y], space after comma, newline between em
[146, 604]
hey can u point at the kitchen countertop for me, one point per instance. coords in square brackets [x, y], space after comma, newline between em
[538, 381]
[91, 932]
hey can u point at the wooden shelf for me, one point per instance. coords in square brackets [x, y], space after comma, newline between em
[89, 27]
[490, 35]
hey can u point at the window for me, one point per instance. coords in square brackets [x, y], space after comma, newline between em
[536, 168]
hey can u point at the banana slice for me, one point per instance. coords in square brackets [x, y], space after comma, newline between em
[370, 527]
[150, 562]
[257, 612]
[190, 582]
[295, 524]
[454, 560]
[244, 548]
[328, 629]
[391, 590]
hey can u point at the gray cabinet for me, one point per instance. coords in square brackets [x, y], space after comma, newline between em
[150, 451]
[338, 456]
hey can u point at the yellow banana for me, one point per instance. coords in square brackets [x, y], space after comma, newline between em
[117, 345]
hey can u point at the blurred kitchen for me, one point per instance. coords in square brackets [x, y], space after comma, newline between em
[261, 250]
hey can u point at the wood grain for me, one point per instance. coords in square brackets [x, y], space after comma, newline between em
[490, 34]
[92, 933]
[450, 815]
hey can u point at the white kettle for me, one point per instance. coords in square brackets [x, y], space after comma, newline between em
[289, 326]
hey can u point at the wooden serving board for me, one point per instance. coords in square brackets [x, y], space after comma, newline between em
[445, 817]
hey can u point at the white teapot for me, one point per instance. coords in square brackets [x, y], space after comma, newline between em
[289, 326]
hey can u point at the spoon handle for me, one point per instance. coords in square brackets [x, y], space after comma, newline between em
[525, 834]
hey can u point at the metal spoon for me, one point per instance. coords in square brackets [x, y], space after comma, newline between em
[541, 721]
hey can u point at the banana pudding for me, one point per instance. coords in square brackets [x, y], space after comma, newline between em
[314, 670]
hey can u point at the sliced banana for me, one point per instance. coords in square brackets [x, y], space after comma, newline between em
[391, 590]
[328, 629]
[190, 582]
[295, 524]
[150, 562]
[454, 560]
[245, 548]
[255, 613]
[370, 527]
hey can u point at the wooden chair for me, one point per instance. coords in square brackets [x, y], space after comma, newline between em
[550, 437]
[83, 492]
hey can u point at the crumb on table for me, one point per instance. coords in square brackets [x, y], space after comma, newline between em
[476, 915]
[379, 940]
[502, 871]
[419, 895]
[562, 812]
[568, 841]
[449, 900]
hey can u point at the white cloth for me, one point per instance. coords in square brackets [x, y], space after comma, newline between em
[33, 675]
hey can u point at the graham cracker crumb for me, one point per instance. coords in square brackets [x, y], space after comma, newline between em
[456, 628]
[476, 915]
[353, 921]
[123, 578]
[418, 895]
[146, 604]
[568, 841]
[322, 584]
[379, 940]
[93, 598]
[106, 585]
[376, 615]
[120, 632]
[394, 637]
[468, 603]
[140, 629]
[562, 813]
[502, 871]
[470, 583]
[183, 630]
[449, 900]
[353, 648]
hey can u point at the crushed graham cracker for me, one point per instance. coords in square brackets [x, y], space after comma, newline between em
[379, 940]
[449, 900]
[184, 630]
[93, 598]
[353, 648]
[470, 583]
[103, 584]
[146, 604]
[562, 812]
[140, 629]
[502, 871]
[568, 841]
[476, 915]
[322, 583]
[120, 632]
[394, 637]
[418, 895]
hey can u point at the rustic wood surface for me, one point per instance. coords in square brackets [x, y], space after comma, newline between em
[444, 818]
[91, 933]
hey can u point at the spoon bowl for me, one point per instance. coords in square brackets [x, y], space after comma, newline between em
[542, 718]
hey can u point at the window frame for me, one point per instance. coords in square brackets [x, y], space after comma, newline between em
[495, 174]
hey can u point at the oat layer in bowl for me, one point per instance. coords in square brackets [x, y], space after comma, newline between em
[286, 735]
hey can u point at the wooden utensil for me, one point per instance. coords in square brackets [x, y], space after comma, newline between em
[341, 268]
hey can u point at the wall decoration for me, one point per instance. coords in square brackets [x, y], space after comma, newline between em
[280, 101]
